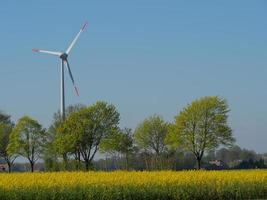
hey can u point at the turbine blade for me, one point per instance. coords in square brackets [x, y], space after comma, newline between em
[71, 77]
[76, 38]
[48, 52]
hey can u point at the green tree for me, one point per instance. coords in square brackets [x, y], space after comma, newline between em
[27, 139]
[6, 127]
[202, 126]
[50, 154]
[84, 130]
[229, 155]
[4, 118]
[111, 144]
[120, 142]
[150, 136]
[126, 146]
[53, 147]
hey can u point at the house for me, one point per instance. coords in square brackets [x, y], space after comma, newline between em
[3, 167]
[216, 165]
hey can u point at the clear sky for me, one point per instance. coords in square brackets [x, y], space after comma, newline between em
[144, 56]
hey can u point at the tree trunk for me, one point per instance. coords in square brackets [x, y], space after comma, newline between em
[198, 163]
[9, 167]
[79, 163]
[161, 162]
[32, 166]
[65, 161]
[87, 164]
[146, 163]
[78, 160]
[126, 161]
[115, 160]
[106, 165]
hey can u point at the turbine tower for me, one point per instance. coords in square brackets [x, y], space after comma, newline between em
[64, 62]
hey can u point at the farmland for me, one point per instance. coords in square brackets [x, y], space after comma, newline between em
[247, 184]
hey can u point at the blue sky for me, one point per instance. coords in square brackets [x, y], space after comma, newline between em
[144, 56]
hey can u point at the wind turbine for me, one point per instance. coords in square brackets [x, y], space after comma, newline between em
[64, 62]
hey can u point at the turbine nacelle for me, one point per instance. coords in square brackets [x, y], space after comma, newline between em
[63, 56]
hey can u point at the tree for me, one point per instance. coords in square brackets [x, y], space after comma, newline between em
[53, 147]
[4, 118]
[120, 142]
[150, 136]
[84, 130]
[126, 145]
[230, 155]
[202, 126]
[50, 154]
[6, 127]
[27, 139]
[248, 154]
[251, 164]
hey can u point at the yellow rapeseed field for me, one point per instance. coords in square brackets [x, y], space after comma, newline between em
[247, 184]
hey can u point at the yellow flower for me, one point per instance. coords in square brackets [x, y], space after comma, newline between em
[147, 185]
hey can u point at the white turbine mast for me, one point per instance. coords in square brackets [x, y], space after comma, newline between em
[64, 62]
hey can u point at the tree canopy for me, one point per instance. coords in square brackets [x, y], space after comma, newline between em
[27, 139]
[119, 142]
[150, 134]
[202, 126]
[84, 130]
[4, 118]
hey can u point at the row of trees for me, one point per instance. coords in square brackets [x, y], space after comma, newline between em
[226, 158]
[199, 128]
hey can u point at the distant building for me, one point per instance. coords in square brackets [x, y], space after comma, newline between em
[264, 157]
[3, 167]
[216, 165]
